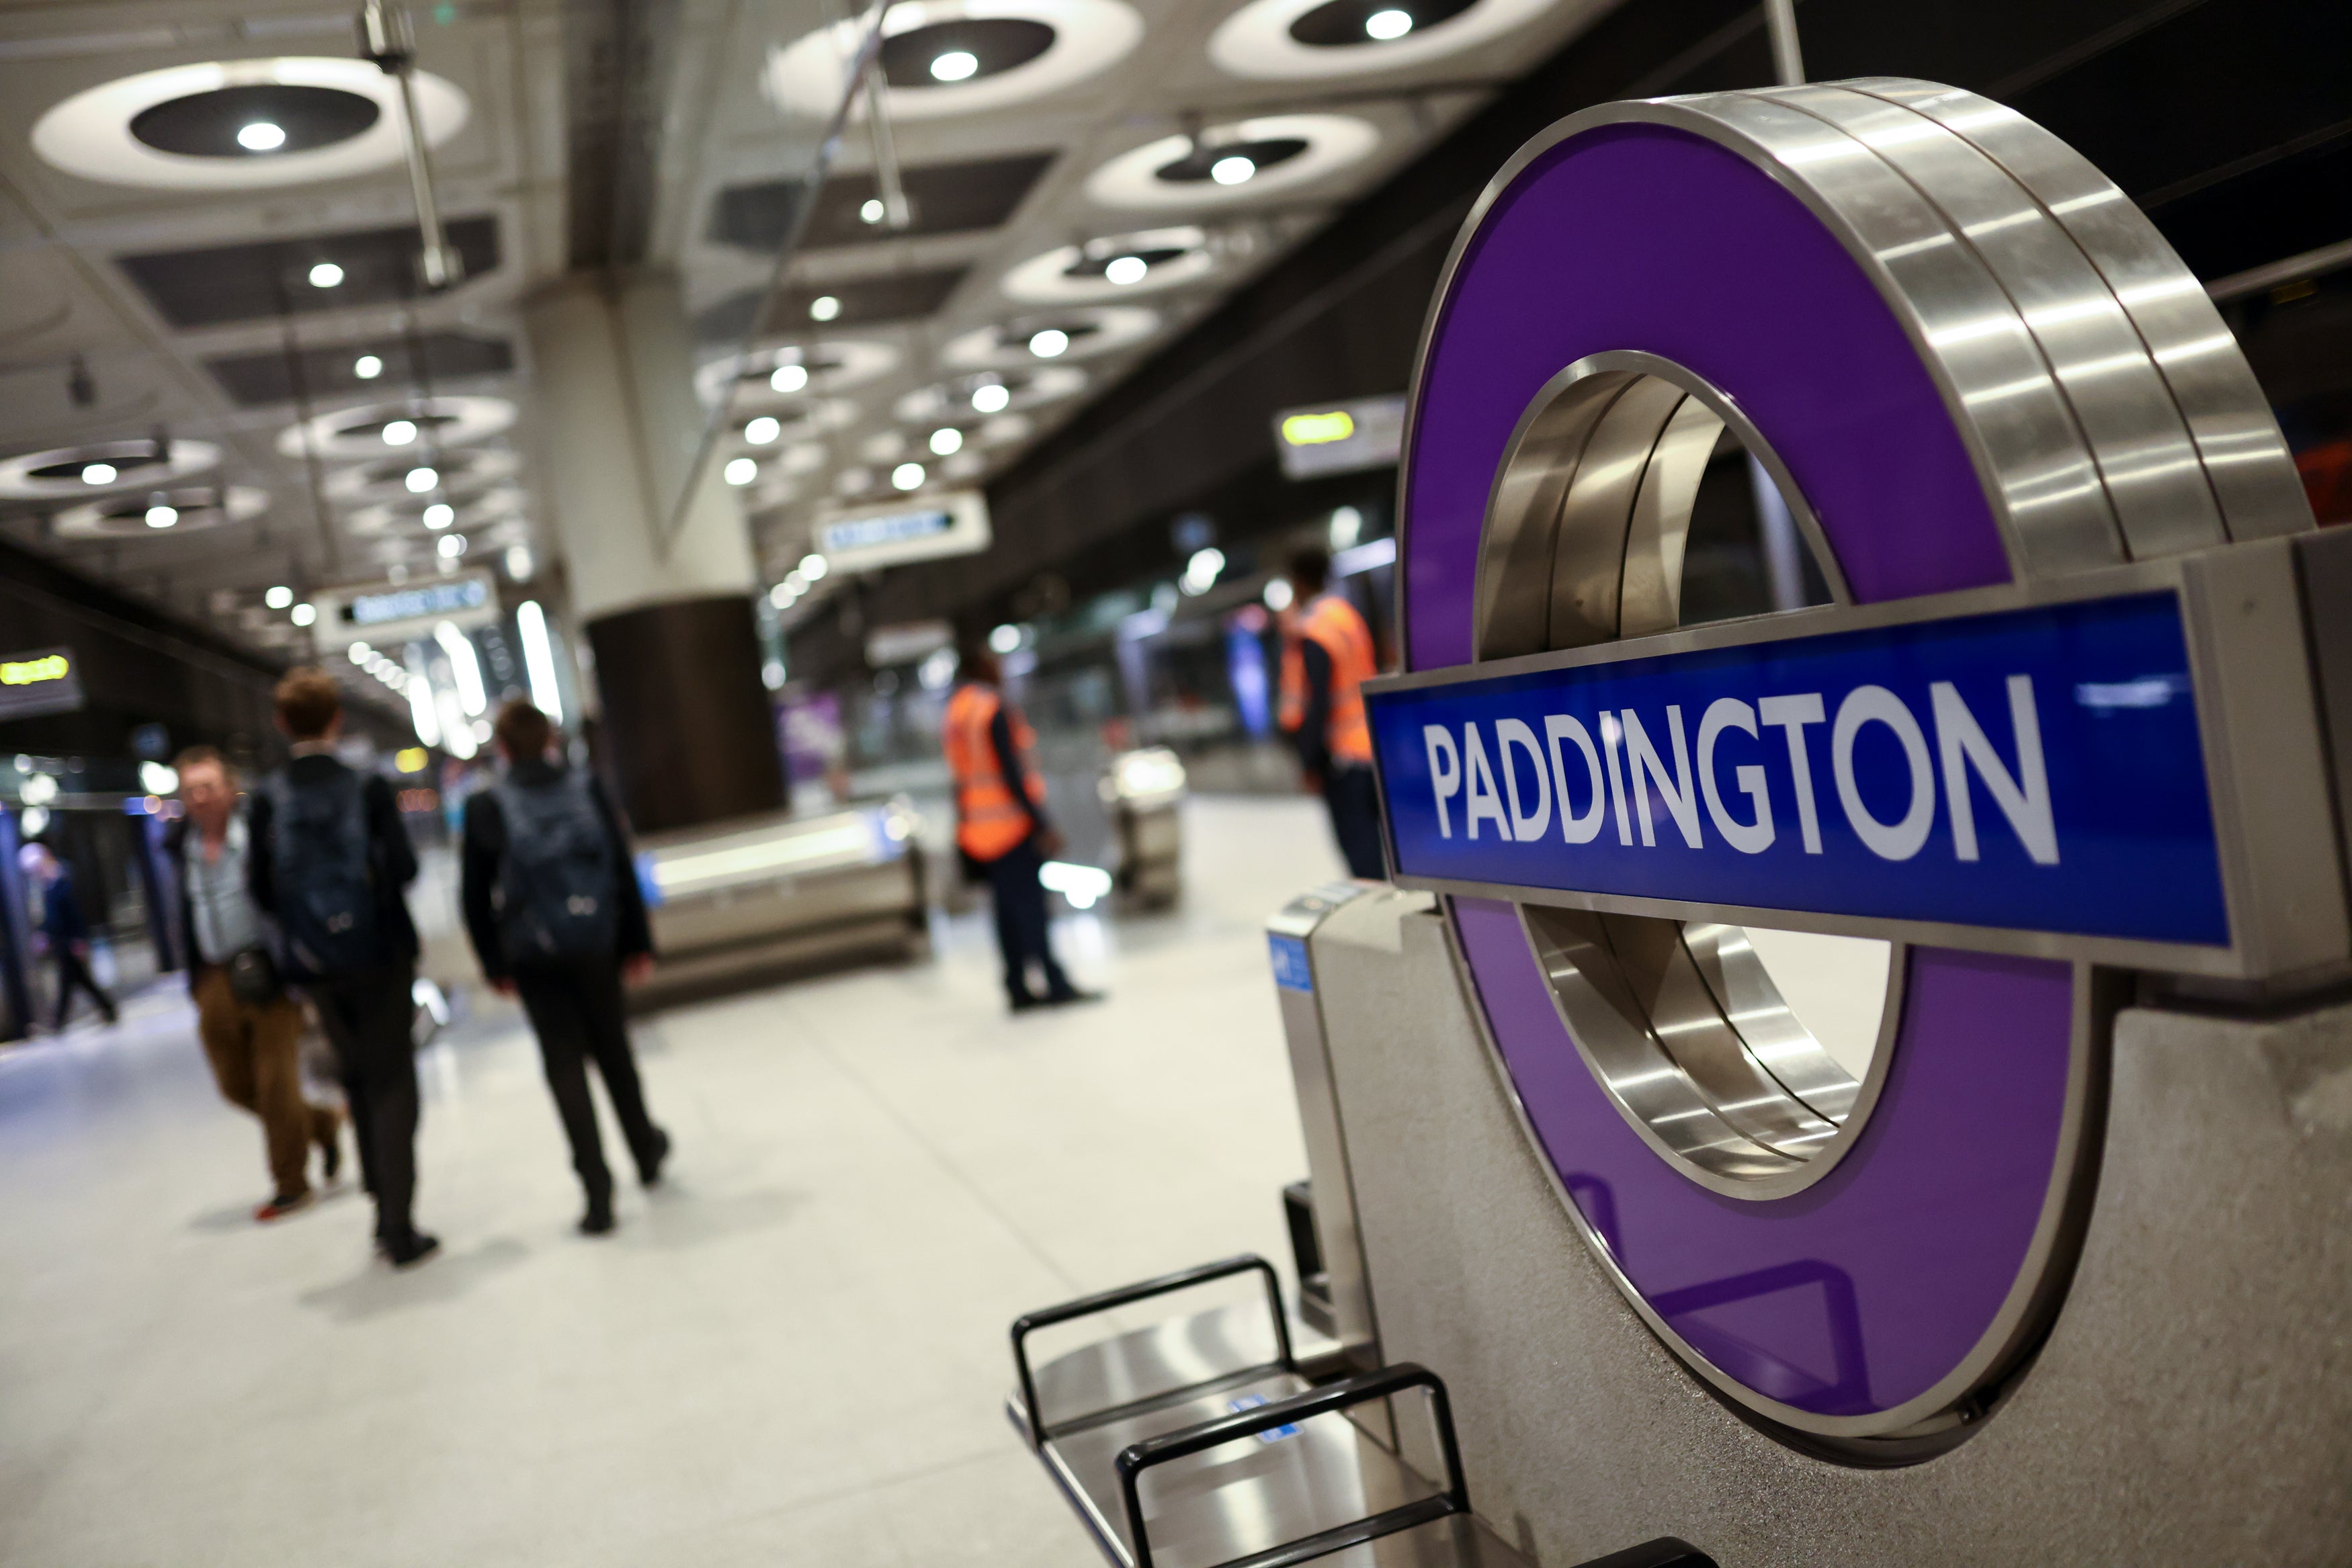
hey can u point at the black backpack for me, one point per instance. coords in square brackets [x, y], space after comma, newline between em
[325, 876]
[556, 882]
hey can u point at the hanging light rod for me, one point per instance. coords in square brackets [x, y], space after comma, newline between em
[387, 41]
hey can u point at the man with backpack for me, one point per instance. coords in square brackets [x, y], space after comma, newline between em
[328, 858]
[556, 916]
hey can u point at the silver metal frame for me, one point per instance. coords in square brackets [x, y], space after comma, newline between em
[2110, 419]
[1940, 1418]
[2266, 764]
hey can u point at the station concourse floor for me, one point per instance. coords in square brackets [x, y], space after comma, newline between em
[794, 1352]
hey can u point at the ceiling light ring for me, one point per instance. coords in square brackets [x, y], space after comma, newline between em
[860, 360]
[19, 480]
[1046, 279]
[349, 433]
[1089, 37]
[466, 474]
[198, 509]
[1334, 142]
[1255, 43]
[1005, 346]
[1038, 385]
[89, 134]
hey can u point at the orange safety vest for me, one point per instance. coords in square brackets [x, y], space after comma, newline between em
[989, 819]
[1332, 622]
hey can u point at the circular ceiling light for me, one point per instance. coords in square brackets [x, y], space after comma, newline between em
[155, 514]
[1081, 334]
[1241, 160]
[1113, 267]
[326, 274]
[987, 392]
[907, 477]
[209, 127]
[763, 431]
[786, 370]
[405, 516]
[961, 56]
[364, 431]
[457, 474]
[71, 473]
[1288, 40]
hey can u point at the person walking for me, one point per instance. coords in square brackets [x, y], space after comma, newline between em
[250, 1028]
[1327, 657]
[66, 930]
[1001, 827]
[328, 858]
[555, 915]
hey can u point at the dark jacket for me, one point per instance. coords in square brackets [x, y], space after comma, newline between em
[61, 915]
[485, 854]
[1314, 736]
[390, 856]
[184, 910]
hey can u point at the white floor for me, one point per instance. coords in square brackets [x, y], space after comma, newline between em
[793, 1353]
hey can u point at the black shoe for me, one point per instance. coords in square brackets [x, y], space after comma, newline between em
[406, 1251]
[598, 1220]
[649, 1167]
[330, 1156]
[1022, 1001]
[1064, 998]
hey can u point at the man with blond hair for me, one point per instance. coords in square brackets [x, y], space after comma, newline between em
[330, 858]
[251, 1029]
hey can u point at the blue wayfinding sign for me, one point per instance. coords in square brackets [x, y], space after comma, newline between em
[2036, 769]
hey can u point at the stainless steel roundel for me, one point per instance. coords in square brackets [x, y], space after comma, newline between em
[1963, 359]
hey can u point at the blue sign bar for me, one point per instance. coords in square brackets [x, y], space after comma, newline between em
[2035, 769]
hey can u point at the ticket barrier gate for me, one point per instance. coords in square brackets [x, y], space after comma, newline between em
[1140, 1432]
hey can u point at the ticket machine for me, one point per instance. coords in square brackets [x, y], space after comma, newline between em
[1853, 1067]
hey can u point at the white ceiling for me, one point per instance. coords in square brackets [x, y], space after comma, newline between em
[63, 292]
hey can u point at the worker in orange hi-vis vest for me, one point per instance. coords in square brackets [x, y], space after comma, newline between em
[1001, 827]
[1327, 657]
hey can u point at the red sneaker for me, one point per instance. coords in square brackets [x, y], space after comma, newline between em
[281, 1205]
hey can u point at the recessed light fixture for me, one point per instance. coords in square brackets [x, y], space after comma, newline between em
[790, 378]
[261, 137]
[873, 211]
[421, 480]
[367, 366]
[519, 563]
[956, 65]
[762, 431]
[303, 614]
[98, 474]
[824, 308]
[279, 598]
[1126, 269]
[162, 517]
[1387, 25]
[813, 568]
[1004, 639]
[1049, 343]
[1232, 171]
[440, 514]
[907, 476]
[990, 397]
[452, 545]
[947, 441]
[326, 274]
[739, 471]
[399, 432]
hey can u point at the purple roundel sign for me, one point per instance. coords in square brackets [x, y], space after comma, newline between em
[1941, 337]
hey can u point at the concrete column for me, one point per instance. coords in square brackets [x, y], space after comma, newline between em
[687, 720]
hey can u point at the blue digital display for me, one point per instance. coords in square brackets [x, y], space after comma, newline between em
[2034, 770]
[1290, 968]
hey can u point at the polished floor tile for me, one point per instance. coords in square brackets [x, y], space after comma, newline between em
[792, 1353]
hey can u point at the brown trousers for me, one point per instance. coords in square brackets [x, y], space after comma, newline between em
[255, 1056]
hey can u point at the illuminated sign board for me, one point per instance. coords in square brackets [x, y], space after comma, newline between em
[46, 680]
[1340, 437]
[951, 524]
[391, 613]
